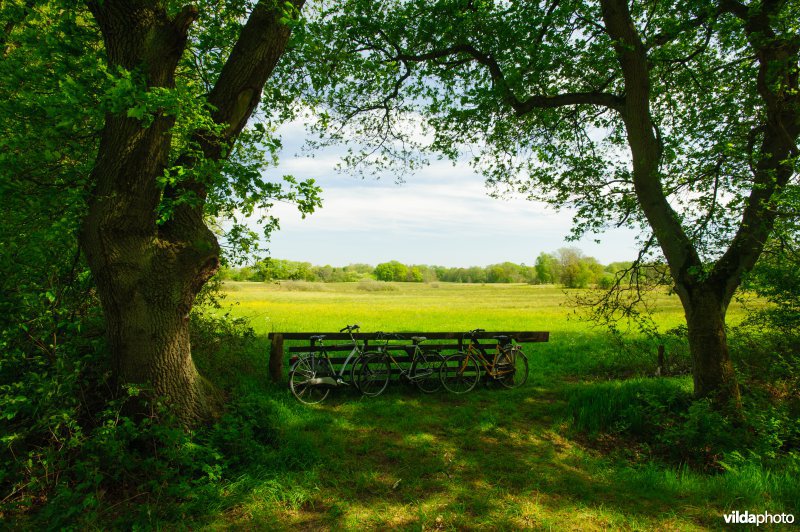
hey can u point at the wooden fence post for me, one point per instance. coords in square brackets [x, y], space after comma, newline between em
[661, 369]
[276, 358]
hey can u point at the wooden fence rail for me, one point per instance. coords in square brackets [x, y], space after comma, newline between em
[277, 352]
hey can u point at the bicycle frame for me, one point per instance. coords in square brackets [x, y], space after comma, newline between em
[477, 350]
[339, 380]
[406, 373]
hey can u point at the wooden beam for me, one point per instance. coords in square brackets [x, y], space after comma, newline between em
[276, 358]
[520, 336]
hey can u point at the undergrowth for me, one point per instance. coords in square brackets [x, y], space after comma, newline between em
[75, 449]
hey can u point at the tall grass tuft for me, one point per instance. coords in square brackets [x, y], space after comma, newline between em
[631, 406]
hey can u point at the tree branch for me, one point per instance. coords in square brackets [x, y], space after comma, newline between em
[521, 107]
[234, 98]
[644, 143]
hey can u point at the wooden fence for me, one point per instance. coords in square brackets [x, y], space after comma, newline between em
[278, 352]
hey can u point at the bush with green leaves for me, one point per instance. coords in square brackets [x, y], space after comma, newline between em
[77, 448]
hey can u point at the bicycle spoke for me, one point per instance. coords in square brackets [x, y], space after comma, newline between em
[299, 378]
[459, 373]
[426, 371]
[373, 373]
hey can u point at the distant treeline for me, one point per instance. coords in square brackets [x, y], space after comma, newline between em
[567, 266]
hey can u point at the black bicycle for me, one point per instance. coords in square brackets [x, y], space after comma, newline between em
[312, 376]
[373, 371]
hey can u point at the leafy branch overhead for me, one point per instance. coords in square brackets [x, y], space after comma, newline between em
[536, 94]
[680, 119]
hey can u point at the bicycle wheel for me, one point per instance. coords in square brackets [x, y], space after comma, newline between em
[459, 373]
[512, 368]
[426, 369]
[304, 370]
[372, 373]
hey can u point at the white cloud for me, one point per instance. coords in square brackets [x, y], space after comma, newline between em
[442, 214]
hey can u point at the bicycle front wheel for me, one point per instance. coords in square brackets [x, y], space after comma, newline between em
[512, 368]
[372, 373]
[459, 373]
[426, 371]
[300, 377]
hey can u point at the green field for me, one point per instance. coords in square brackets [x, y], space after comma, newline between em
[493, 459]
[301, 306]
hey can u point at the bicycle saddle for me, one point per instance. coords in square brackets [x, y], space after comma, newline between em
[418, 339]
[316, 337]
[502, 337]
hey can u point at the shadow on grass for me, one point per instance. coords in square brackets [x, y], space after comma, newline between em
[492, 459]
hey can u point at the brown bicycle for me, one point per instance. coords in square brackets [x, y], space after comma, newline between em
[508, 365]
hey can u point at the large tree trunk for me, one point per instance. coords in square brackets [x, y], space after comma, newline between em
[713, 372]
[147, 280]
[147, 273]
[149, 339]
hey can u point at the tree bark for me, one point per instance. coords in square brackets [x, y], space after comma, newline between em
[713, 372]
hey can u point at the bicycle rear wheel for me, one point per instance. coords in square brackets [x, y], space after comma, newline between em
[372, 373]
[425, 372]
[459, 373]
[512, 368]
[304, 370]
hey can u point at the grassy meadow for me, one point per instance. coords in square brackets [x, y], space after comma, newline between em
[301, 306]
[492, 459]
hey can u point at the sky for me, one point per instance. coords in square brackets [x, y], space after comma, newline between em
[442, 215]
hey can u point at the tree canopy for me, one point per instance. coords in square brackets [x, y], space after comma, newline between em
[676, 118]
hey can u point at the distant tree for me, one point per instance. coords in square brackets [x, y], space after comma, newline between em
[324, 273]
[391, 271]
[548, 269]
[414, 274]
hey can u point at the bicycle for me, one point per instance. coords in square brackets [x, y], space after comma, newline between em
[461, 371]
[312, 375]
[423, 371]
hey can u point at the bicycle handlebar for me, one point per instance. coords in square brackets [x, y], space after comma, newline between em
[476, 331]
[350, 328]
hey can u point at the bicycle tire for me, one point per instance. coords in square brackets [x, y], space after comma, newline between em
[304, 369]
[373, 370]
[426, 372]
[516, 358]
[455, 373]
[354, 372]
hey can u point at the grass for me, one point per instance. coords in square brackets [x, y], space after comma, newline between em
[492, 459]
[281, 307]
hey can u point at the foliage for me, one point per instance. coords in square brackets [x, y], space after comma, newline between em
[776, 278]
[75, 449]
[568, 267]
[481, 74]
[660, 416]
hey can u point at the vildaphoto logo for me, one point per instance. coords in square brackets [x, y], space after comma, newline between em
[746, 518]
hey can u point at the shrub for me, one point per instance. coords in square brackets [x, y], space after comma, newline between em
[660, 414]
[369, 285]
